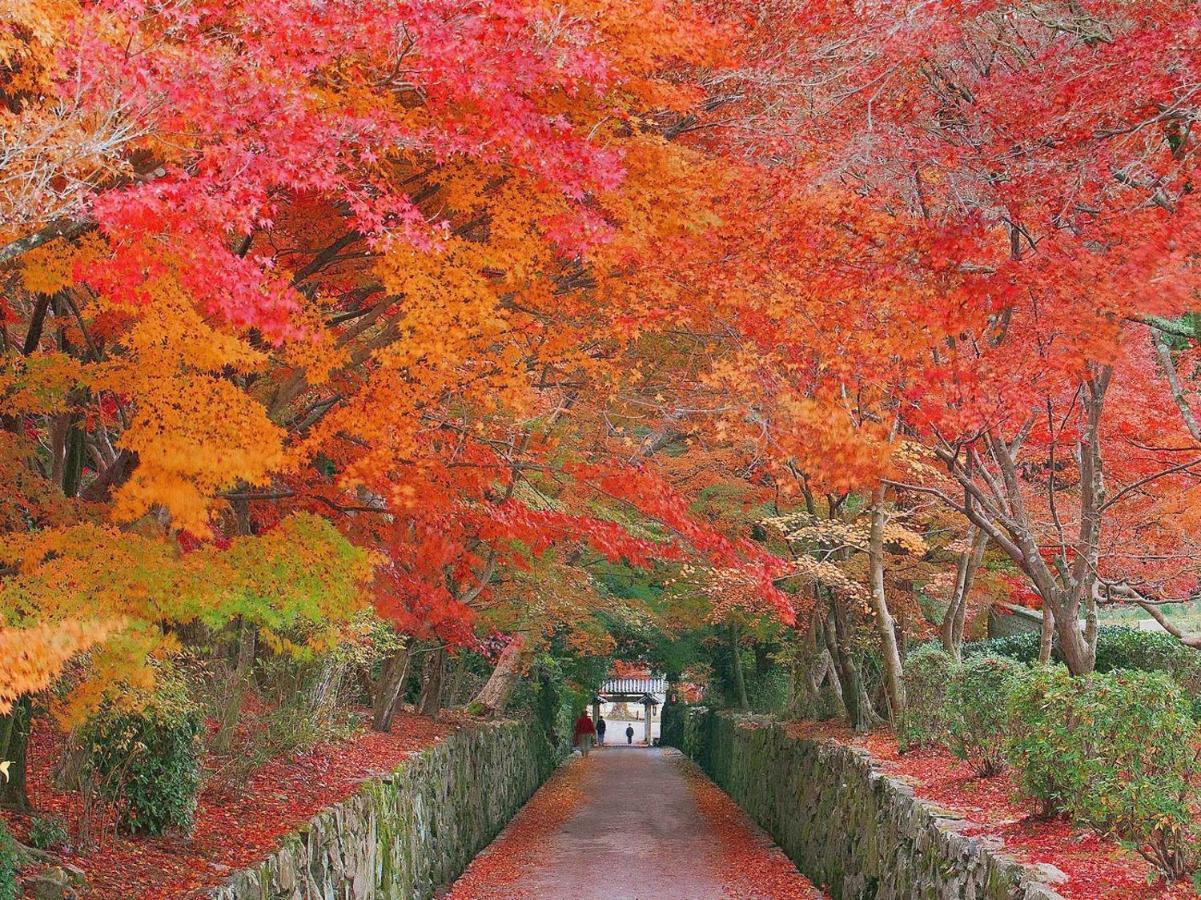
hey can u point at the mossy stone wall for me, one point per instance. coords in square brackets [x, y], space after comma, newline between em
[846, 825]
[412, 832]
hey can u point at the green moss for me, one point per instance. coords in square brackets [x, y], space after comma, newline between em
[435, 812]
[843, 829]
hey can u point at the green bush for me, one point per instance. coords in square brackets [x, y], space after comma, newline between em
[697, 721]
[1149, 651]
[1118, 647]
[928, 671]
[1021, 647]
[47, 832]
[671, 724]
[10, 861]
[1115, 752]
[767, 692]
[148, 762]
[1047, 761]
[978, 696]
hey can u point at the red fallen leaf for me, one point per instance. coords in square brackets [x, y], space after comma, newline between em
[752, 867]
[506, 861]
[233, 828]
[1097, 867]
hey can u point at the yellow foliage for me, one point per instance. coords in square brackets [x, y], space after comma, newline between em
[38, 384]
[26, 498]
[34, 657]
[195, 429]
[195, 435]
[28, 31]
[298, 582]
[46, 270]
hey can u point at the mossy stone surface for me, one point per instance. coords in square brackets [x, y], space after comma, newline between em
[411, 832]
[847, 826]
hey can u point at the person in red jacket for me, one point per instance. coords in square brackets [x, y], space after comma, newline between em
[584, 732]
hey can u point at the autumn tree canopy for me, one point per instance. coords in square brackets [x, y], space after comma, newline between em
[436, 309]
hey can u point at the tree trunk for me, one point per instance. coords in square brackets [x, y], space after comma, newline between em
[433, 678]
[807, 672]
[239, 677]
[847, 674]
[860, 712]
[1069, 579]
[494, 695]
[831, 643]
[324, 691]
[1079, 648]
[112, 477]
[73, 463]
[1045, 638]
[894, 683]
[951, 630]
[1078, 654]
[826, 644]
[390, 689]
[236, 686]
[14, 747]
[457, 678]
[739, 677]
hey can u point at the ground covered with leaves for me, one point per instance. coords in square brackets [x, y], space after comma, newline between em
[236, 824]
[498, 871]
[753, 868]
[1097, 868]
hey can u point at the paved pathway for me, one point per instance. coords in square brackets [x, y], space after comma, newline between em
[632, 823]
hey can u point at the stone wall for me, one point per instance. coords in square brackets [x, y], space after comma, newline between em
[846, 825]
[412, 832]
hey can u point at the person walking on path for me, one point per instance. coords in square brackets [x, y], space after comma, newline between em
[584, 732]
[629, 734]
[600, 731]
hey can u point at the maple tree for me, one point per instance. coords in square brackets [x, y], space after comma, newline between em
[298, 312]
[437, 311]
[986, 255]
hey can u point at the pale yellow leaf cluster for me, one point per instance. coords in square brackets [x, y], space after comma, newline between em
[34, 657]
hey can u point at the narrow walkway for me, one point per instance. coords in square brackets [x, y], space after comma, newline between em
[632, 823]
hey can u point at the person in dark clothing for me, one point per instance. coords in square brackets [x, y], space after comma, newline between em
[629, 734]
[600, 731]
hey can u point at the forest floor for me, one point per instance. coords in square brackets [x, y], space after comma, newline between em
[240, 816]
[1096, 867]
[632, 822]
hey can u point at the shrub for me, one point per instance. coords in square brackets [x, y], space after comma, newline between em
[927, 717]
[147, 761]
[47, 832]
[978, 696]
[1149, 651]
[1046, 759]
[1021, 647]
[10, 861]
[696, 724]
[1115, 752]
[671, 724]
[767, 691]
[1118, 647]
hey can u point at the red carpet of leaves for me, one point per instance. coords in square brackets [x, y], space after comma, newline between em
[1097, 868]
[752, 867]
[496, 871]
[233, 828]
